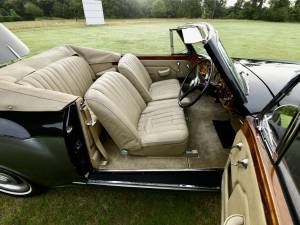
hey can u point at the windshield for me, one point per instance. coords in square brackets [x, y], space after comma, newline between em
[228, 60]
[11, 47]
[200, 50]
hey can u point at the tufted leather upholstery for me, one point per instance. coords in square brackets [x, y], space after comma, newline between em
[164, 89]
[131, 67]
[71, 75]
[158, 128]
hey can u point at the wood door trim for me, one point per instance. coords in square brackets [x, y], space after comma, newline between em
[275, 207]
[192, 58]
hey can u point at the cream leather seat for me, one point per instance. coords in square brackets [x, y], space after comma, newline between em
[131, 67]
[156, 129]
[71, 75]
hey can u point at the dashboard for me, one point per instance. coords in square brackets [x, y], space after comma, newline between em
[218, 90]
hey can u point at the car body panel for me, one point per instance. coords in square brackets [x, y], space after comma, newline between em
[42, 160]
[256, 88]
[271, 72]
[36, 146]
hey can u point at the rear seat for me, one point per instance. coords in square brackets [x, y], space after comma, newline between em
[156, 129]
[71, 75]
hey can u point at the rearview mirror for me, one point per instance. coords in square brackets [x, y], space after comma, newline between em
[192, 35]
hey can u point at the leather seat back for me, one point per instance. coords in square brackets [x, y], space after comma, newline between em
[118, 107]
[71, 75]
[132, 68]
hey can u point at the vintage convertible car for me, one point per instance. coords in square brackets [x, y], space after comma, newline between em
[197, 120]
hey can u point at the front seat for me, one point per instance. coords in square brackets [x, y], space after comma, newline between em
[132, 68]
[155, 129]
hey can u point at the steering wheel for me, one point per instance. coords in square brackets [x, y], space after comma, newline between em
[200, 82]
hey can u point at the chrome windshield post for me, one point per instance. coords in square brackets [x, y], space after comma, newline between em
[171, 42]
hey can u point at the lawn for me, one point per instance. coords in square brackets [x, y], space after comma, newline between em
[94, 205]
[249, 39]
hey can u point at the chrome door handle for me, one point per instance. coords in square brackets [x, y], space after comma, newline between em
[244, 163]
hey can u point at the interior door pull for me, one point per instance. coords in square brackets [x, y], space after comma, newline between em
[164, 72]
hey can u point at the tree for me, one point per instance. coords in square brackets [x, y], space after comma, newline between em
[75, 8]
[295, 12]
[220, 9]
[158, 9]
[17, 6]
[279, 10]
[58, 9]
[33, 10]
[46, 6]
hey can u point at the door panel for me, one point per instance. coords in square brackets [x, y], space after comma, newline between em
[240, 190]
[177, 66]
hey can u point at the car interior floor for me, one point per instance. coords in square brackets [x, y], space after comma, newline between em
[206, 149]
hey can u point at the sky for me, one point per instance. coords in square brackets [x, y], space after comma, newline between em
[231, 2]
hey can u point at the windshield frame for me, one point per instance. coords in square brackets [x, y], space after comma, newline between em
[215, 50]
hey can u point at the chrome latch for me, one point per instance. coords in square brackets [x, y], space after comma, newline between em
[238, 146]
[178, 66]
[192, 152]
[124, 152]
[244, 163]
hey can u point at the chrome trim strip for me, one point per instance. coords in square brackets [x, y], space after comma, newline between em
[160, 170]
[183, 187]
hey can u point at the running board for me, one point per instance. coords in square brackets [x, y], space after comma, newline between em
[193, 180]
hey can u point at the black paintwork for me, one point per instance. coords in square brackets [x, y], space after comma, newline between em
[24, 125]
[75, 141]
[204, 179]
[37, 146]
[265, 80]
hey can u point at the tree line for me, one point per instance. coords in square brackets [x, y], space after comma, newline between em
[273, 10]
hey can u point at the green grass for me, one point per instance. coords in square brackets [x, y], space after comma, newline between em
[94, 205]
[112, 206]
[249, 39]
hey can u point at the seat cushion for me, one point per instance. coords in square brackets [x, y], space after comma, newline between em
[165, 89]
[162, 129]
[132, 68]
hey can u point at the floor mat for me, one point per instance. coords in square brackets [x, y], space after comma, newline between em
[225, 132]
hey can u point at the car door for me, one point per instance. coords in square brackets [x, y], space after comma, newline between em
[261, 179]
[241, 199]
[174, 65]
[162, 67]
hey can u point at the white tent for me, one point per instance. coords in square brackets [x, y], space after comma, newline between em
[93, 12]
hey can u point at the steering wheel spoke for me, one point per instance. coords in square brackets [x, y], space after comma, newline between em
[195, 84]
